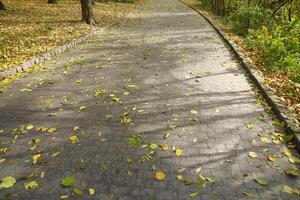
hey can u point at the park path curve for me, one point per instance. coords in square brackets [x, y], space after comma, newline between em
[167, 70]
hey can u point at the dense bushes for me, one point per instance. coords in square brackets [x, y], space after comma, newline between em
[270, 27]
[280, 46]
[248, 17]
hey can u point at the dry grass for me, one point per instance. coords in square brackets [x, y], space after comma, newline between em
[32, 27]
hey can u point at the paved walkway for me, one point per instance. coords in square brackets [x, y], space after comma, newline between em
[165, 72]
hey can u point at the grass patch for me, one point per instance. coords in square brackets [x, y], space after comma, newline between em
[31, 27]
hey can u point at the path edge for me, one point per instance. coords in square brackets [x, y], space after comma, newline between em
[53, 53]
[273, 101]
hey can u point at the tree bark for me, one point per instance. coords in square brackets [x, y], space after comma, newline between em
[2, 6]
[87, 12]
[52, 1]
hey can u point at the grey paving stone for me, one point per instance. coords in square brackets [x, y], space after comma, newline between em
[160, 49]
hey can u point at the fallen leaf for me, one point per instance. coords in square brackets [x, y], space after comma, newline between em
[290, 190]
[210, 180]
[287, 153]
[179, 152]
[264, 134]
[265, 140]
[181, 170]
[76, 128]
[35, 157]
[91, 191]
[248, 194]
[129, 173]
[7, 182]
[131, 85]
[291, 172]
[29, 127]
[78, 191]
[252, 154]
[165, 147]
[31, 185]
[153, 167]
[294, 160]
[43, 174]
[68, 181]
[153, 146]
[194, 112]
[74, 138]
[173, 126]
[82, 108]
[160, 175]
[261, 182]
[134, 141]
[250, 126]
[51, 130]
[272, 158]
[166, 135]
[287, 138]
[194, 194]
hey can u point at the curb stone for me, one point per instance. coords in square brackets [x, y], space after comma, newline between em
[274, 102]
[52, 53]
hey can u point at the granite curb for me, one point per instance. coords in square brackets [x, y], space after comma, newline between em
[274, 102]
[52, 53]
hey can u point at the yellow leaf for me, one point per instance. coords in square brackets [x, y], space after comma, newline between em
[261, 182]
[249, 126]
[179, 152]
[153, 146]
[291, 172]
[287, 153]
[51, 130]
[167, 135]
[76, 128]
[35, 157]
[272, 158]
[290, 190]
[7, 182]
[29, 127]
[74, 138]
[82, 108]
[194, 112]
[91, 191]
[129, 173]
[294, 160]
[252, 154]
[131, 85]
[31, 185]
[265, 140]
[160, 175]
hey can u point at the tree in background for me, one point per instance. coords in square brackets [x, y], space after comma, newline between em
[87, 12]
[2, 7]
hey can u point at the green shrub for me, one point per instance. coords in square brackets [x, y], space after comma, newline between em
[248, 17]
[279, 46]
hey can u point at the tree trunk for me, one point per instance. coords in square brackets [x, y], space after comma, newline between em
[52, 1]
[87, 12]
[2, 6]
